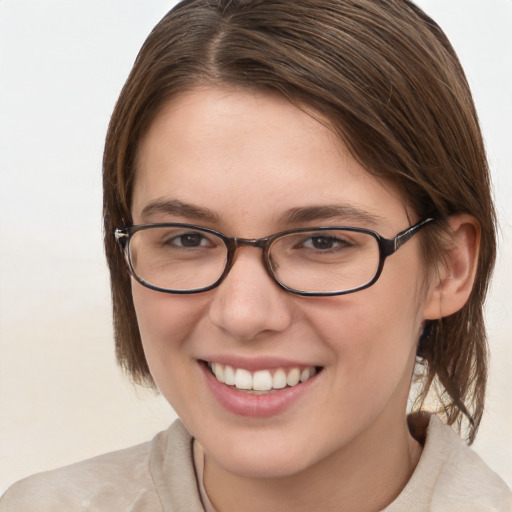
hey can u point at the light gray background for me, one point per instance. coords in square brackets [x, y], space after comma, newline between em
[62, 64]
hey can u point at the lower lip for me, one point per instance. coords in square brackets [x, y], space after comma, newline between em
[256, 406]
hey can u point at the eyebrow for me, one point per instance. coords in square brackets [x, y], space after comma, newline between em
[342, 213]
[346, 213]
[175, 207]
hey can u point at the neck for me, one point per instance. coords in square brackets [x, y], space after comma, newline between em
[363, 477]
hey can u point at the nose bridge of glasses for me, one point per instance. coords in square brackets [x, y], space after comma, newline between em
[261, 243]
[258, 243]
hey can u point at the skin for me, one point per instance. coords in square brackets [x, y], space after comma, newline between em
[248, 158]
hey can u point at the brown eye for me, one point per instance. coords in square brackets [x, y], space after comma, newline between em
[190, 240]
[324, 243]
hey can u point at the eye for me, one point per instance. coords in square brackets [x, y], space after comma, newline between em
[325, 243]
[189, 240]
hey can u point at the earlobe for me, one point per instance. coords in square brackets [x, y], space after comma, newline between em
[453, 283]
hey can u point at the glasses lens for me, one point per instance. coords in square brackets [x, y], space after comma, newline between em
[325, 261]
[177, 258]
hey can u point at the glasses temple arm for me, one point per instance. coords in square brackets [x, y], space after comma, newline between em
[407, 234]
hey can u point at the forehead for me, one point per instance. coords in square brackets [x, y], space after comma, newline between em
[248, 154]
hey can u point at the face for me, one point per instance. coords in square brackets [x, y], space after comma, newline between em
[240, 162]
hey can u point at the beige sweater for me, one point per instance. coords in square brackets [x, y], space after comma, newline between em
[159, 476]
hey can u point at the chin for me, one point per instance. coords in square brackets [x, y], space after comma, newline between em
[261, 455]
[264, 465]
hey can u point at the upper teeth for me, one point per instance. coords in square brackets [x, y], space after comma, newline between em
[261, 380]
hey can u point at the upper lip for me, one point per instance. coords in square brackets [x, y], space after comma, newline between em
[253, 364]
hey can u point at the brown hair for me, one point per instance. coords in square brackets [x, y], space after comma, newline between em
[389, 82]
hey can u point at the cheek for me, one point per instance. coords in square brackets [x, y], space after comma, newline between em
[166, 322]
[163, 319]
[372, 334]
[369, 316]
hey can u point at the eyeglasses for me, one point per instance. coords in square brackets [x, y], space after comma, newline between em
[323, 261]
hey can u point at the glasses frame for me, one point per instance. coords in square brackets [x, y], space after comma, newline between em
[387, 247]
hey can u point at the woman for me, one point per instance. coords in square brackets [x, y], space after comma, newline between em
[297, 213]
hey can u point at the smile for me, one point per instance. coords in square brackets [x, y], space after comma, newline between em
[261, 380]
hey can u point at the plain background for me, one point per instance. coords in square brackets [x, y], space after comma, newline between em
[62, 65]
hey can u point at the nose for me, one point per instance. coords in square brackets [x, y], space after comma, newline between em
[248, 303]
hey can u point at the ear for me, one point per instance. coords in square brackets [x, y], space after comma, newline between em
[451, 286]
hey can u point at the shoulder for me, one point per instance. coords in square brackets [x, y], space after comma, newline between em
[83, 485]
[127, 479]
[451, 477]
[464, 477]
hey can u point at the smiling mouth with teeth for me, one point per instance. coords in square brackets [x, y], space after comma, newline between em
[261, 381]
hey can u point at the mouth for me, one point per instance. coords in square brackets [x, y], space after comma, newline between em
[264, 381]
